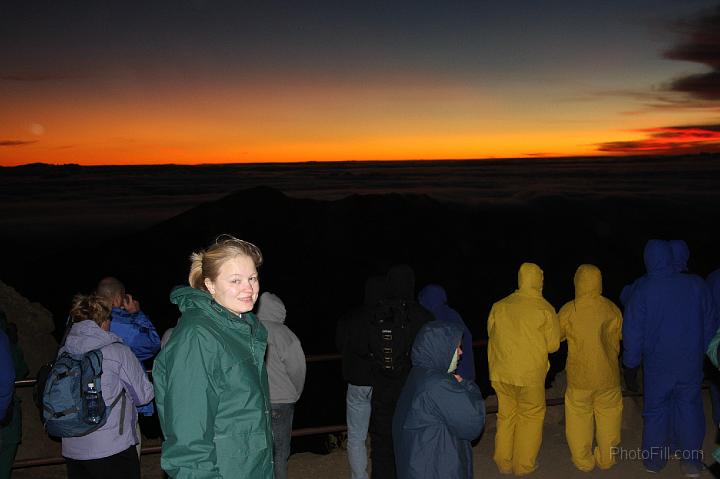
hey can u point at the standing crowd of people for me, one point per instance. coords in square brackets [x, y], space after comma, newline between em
[226, 379]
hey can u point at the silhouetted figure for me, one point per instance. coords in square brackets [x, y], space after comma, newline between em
[667, 326]
[522, 330]
[434, 298]
[439, 412]
[351, 339]
[396, 321]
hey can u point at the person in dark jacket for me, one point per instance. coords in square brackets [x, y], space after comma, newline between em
[668, 324]
[439, 412]
[681, 256]
[7, 375]
[351, 340]
[434, 298]
[713, 283]
[397, 320]
[11, 427]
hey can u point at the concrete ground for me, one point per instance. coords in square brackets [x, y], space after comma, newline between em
[554, 458]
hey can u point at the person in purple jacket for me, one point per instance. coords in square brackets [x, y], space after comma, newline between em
[108, 452]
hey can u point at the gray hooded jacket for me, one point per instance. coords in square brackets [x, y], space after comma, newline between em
[285, 359]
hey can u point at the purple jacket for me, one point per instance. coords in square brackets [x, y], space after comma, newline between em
[121, 371]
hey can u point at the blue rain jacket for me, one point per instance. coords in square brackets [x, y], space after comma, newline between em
[680, 256]
[669, 320]
[7, 375]
[713, 283]
[139, 334]
[436, 417]
[433, 298]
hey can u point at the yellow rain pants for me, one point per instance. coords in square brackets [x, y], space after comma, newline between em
[522, 329]
[592, 326]
[521, 412]
[582, 408]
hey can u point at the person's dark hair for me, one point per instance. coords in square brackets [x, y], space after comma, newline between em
[207, 263]
[90, 307]
[110, 287]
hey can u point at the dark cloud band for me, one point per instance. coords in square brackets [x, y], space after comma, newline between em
[16, 142]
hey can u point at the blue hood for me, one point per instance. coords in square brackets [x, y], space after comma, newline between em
[435, 345]
[680, 255]
[658, 258]
[432, 297]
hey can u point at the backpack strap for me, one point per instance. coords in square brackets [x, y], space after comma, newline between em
[122, 395]
[122, 410]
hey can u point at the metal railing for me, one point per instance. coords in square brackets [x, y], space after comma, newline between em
[308, 431]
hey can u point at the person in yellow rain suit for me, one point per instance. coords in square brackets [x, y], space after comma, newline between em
[522, 329]
[592, 326]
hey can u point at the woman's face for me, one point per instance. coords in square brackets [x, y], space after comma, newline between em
[236, 286]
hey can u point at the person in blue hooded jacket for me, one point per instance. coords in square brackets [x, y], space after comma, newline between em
[7, 375]
[439, 413]
[667, 326]
[681, 256]
[713, 283]
[434, 298]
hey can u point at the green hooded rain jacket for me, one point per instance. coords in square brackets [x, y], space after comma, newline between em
[211, 390]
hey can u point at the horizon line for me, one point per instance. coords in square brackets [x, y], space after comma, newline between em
[409, 160]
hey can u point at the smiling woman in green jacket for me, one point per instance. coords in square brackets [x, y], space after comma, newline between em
[211, 386]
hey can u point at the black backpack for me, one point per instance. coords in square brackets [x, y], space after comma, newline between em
[390, 341]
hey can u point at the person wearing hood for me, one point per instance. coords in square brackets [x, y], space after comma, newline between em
[667, 327]
[592, 326]
[434, 298]
[439, 412]
[523, 329]
[7, 376]
[351, 339]
[713, 283]
[11, 426]
[391, 332]
[108, 452]
[211, 384]
[285, 363]
[681, 256]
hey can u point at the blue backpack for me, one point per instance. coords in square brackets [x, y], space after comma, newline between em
[64, 409]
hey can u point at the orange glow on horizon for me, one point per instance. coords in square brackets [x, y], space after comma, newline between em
[402, 120]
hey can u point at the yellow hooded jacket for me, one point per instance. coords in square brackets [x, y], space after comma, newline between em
[522, 329]
[592, 325]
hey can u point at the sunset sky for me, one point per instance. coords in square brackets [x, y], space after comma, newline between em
[195, 81]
